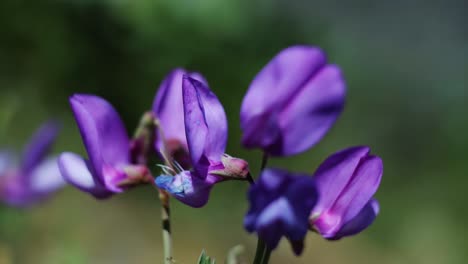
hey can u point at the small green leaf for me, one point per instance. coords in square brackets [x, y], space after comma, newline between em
[204, 259]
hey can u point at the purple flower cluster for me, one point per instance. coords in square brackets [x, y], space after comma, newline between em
[36, 176]
[289, 107]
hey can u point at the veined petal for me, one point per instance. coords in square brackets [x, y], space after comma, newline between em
[312, 112]
[272, 91]
[334, 174]
[38, 146]
[360, 189]
[46, 177]
[79, 173]
[360, 222]
[280, 79]
[102, 130]
[205, 124]
[169, 109]
[187, 187]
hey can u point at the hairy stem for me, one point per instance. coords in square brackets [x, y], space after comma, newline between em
[142, 147]
[166, 226]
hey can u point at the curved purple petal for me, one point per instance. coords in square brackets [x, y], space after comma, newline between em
[38, 146]
[334, 173]
[79, 173]
[360, 189]
[46, 177]
[360, 222]
[7, 161]
[102, 130]
[292, 102]
[205, 124]
[280, 204]
[313, 111]
[187, 187]
[169, 109]
[346, 181]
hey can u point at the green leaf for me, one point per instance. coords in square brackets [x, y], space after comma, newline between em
[204, 259]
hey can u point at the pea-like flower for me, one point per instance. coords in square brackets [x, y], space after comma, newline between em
[168, 109]
[293, 102]
[36, 176]
[280, 204]
[109, 169]
[346, 182]
[205, 127]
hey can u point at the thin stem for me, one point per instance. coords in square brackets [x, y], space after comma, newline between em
[259, 253]
[262, 249]
[266, 256]
[166, 226]
[143, 144]
[250, 179]
[264, 161]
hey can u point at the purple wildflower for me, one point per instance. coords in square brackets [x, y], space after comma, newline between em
[346, 182]
[292, 102]
[280, 203]
[205, 127]
[36, 177]
[109, 169]
[168, 109]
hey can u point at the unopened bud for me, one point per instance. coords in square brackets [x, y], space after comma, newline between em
[233, 168]
[136, 175]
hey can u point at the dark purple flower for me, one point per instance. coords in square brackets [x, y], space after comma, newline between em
[205, 128]
[346, 182]
[280, 204]
[109, 169]
[36, 177]
[169, 110]
[292, 102]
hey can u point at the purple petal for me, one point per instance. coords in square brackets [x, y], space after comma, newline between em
[280, 204]
[46, 177]
[334, 173]
[205, 124]
[7, 161]
[360, 189]
[274, 220]
[360, 222]
[312, 112]
[169, 109]
[187, 187]
[79, 173]
[293, 89]
[102, 130]
[38, 146]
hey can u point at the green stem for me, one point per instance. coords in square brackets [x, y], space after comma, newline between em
[262, 250]
[166, 227]
[264, 161]
[143, 144]
[266, 256]
[261, 247]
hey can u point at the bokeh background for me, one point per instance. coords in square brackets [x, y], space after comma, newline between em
[405, 63]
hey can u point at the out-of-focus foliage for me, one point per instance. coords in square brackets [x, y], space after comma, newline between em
[405, 63]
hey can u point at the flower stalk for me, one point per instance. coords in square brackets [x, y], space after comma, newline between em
[142, 146]
[261, 246]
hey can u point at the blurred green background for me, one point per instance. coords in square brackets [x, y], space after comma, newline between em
[405, 63]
